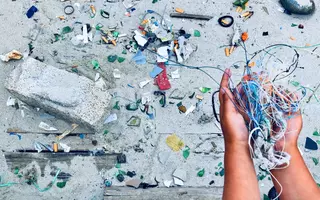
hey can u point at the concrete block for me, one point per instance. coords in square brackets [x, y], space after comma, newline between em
[64, 94]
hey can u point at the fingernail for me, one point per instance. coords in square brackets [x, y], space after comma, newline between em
[227, 71]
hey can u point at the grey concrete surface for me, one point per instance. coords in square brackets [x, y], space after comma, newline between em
[66, 95]
[142, 150]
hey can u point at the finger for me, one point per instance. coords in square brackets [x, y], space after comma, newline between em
[228, 100]
[224, 84]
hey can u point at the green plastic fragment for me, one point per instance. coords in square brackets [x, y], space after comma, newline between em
[269, 178]
[220, 164]
[121, 59]
[95, 64]
[75, 70]
[201, 173]
[186, 152]
[316, 133]
[318, 185]
[265, 197]
[315, 161]
[217, 173]
[122, 172]
[161, 101]
[295, 83]
[61, 184]
[105, 132]
[118, 165]
[204, 89]
[99, 27]
[132, 106]
[221, 173]
[115, 34]
[66, 29]
[141, 177]
[197, 33]
[124, 52]
[241, 3]
[154, 1]
[56, 37]
[318, 141]
[294, 25]
[16, 170]
[261, 177]
[116, 106]
[112, 58]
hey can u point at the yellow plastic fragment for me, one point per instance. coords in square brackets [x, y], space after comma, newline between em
[252, 64]
[239, 9]
[174, 142]
[292, 38]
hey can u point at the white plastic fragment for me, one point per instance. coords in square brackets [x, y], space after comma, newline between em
[116, 73]
[163, 54]
[111, 118]
[190, 109]
[65, 147]
[167, 183]
[180, 174]
[101, 84]
[97, 77]
[11, 101]
[175, 74]
[139, 38]
[177, 181]
[22, 113]
[85, 34]
[144, 83]
[46, 127]
[12, 55]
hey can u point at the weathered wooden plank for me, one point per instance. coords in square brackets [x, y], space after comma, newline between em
[22, 159]
[173, 193]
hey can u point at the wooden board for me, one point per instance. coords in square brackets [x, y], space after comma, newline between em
[22, 159]
[173, 193]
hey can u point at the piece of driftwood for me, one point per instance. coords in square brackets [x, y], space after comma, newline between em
[173, 193]
[25, 157]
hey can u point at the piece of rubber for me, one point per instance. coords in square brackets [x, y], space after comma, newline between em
[68, 13]
[225, 17]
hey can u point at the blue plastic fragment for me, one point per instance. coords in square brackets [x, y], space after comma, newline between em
[129, 85]
[133, 9]
[13, 133]
[151, 115]
[31, 11]
[81, 136]
[272, 194]
[311, 144]
[156, 71]
[187, 35]
[139, 58]
[150, 11]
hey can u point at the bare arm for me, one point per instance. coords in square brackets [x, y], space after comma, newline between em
[296, 180]
[240, 181]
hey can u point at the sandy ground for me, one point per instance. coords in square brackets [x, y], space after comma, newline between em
[87, 181]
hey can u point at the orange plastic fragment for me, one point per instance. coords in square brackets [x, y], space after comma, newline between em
[252, 64]
[179, 10]
[244, 36]
[227, 51]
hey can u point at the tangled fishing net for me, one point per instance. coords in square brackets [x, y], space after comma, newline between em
[266, 106]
